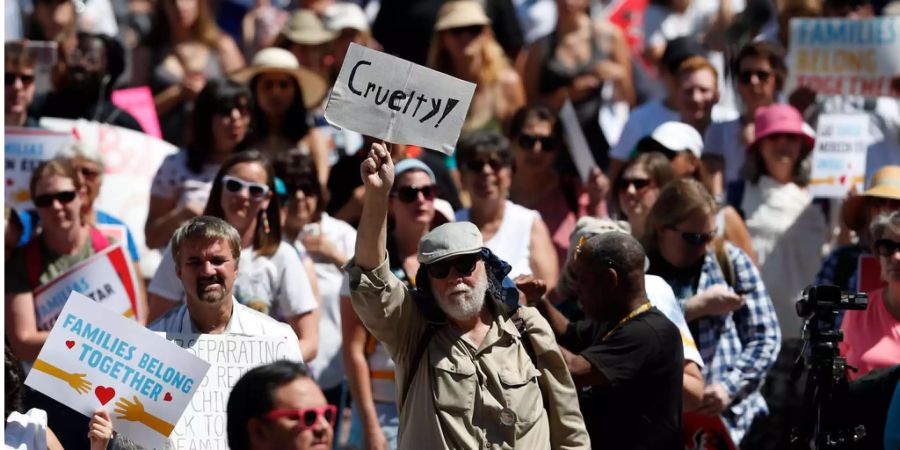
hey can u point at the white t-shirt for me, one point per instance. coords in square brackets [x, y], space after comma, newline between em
[276, 285]
[328, 367]
[663, 298]
[512, 241]
[641, 122]
[26, 431]
[724, 139]
[175, 180]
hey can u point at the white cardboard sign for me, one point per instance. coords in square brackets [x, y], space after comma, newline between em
[203, 425]
[839, 157]
[95, 358]
[23, 151]
[383, 96]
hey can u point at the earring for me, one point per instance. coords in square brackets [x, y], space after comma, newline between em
[265, 222]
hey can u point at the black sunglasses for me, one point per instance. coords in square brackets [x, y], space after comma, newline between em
[746, 76]
[409, 194]
[46, 200]
[472, 30]
[528, 141]
[638, 183]
[477, 165]
[11, 78]
[695, 238]
[886, 247]
[464, 266]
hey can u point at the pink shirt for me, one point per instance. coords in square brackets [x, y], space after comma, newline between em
[871, 337]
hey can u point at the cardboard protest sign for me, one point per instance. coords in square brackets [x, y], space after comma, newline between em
[383, 96]
[107, 278]
[24, 150]
[139, 103]
[845, 56]
[868, 275]
[230, 356]
[839, 157]
[96, 358]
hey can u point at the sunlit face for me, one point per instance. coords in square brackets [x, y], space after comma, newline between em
[890, 261]
[684, 164]
[301, 207]
[242, 208]
[756, 82]
[207, 271]
[698, 94]
[673, 246]
[780, 152]
[275, 92]
[636, 193]
[464, 43]
[286, 433]
[61, 215]
[421, 209]
[19, 89]
[89, 174]
[487, 177]
[230, 127]
[459, 295]
[535, 148]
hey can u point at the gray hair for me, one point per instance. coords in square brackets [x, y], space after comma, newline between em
[889, 221]
[83, 149]
[206, 228]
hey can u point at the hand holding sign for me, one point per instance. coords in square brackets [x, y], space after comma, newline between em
[377, 171]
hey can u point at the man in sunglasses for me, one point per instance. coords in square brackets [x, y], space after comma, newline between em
[278, 406]
[20, 72]
[474, 370]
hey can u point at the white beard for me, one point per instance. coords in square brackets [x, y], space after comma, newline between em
[462, 302]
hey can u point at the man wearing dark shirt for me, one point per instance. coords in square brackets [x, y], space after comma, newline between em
[627, 357]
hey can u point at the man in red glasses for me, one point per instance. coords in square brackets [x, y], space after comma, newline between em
[474, 370]
[278, 406]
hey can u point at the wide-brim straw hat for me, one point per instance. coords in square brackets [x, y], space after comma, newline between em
[305, 27]
[885, 184]
[279, 60]
[461, 13]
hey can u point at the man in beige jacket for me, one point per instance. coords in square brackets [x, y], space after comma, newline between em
[474, 370]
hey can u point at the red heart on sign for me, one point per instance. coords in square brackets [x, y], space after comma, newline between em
[843, 179]
[70, 344]
[167, 397]
[104, 394]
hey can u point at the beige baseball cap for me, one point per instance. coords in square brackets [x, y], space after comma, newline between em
[449, 240]
[305, 27]
[461, 13]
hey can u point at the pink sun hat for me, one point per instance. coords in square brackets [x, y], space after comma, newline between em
[781, 119]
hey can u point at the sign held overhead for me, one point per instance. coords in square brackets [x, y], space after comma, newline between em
[383, 96]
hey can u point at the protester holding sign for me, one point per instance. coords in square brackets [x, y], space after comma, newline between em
[273, 279]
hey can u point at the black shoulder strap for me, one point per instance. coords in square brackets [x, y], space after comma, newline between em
[519, 322]
[417, 358]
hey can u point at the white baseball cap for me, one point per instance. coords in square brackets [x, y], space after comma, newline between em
[342, 16]
[675, 137]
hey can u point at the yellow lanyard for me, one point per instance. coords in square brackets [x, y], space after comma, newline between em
[639, 310]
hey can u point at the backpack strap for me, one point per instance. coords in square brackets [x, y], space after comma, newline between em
[519, 322]
[417, 357]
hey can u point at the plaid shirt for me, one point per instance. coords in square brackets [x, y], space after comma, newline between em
[738, 348]
[847, 256]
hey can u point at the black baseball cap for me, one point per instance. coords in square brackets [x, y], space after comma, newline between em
[678, 50]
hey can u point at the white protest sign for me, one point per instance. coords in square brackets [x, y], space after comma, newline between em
[578, 144]
[23, 150]
[839, 157]
[383, 96]
[95, 358]
[203, 424]
[845, 56]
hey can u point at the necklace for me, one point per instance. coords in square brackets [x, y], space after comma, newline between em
[637, 311]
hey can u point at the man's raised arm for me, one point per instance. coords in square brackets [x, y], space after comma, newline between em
[377, 172]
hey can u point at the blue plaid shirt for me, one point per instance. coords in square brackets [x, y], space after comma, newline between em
[737, 348]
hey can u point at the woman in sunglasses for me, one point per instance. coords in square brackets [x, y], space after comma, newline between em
[514, 233]
[537, 183]
[181, 186]
[370, 369]
[272, 278]
[872, 336]
[637, 187]
[723, 298]
[464, 46]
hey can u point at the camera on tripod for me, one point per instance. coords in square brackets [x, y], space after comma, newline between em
[829, 299]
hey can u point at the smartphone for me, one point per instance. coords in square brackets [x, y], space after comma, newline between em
[312, 229]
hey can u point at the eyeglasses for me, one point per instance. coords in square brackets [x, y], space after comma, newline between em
[11, 78]
[235, 185]
[638, 183]
[472, 30]
[528, 141]
[409, 194]
[308, 188]
[746, 76]
[886, 247]
[695, 238]
[464, 266]
[46, 200]
[477, 165]
[308, 417]
[226, 110]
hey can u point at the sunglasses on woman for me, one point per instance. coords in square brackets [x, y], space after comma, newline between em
[464, 266]
[46, 200]
[638, 183]
[477, 165]
[886, 248]
[235, 185]
[409, 194]
[528, 141]
[308, 418]
[472, 30]
[695, 238]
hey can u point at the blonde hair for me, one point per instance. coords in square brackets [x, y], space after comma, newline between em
[677, 202]
[493, 60]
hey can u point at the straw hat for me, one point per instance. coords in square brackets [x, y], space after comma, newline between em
[279, 60]
[305, 27]
[460, 13]
[885, 184]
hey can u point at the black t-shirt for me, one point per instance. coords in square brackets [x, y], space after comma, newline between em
[643, 360]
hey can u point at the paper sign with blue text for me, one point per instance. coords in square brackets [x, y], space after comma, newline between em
[95, 358]
[392, 99]
[839, 157]
[23, 150]
[231, 356]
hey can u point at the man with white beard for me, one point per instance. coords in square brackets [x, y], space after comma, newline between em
[474, 370]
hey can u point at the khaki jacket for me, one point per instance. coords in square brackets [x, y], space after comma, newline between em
[492, 397]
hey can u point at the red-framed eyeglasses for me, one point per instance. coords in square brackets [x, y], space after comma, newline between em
[308, 418]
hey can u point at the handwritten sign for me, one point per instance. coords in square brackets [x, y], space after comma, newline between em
[96, 358]
[845, 56]
[839, 156]
[380, 95]
[231, 356]
[23, 151]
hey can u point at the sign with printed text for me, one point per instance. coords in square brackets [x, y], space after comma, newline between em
[845, 56]
[392, 99]
[839, 157]
[23, 151]
[95, 358]
[230, 356]
[107, 278]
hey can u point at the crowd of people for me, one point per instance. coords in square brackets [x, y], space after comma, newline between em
[496, 297]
